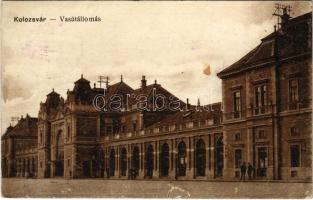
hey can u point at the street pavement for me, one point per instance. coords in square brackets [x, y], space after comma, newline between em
[152, 189]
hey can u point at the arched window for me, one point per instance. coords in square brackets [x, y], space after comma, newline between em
[59, 163]
[136, 160]
[149, 161]
[164, 160]
[200, 158]
[123, 162]
[112, 162]
[181, 159]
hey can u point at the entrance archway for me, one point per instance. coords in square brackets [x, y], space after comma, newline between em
[149, 161]
[200, 158]
[181, 159]
[164, 160]
[112, 162]
[219, 157]
[123, 162]
[59, 162]
[136, 161]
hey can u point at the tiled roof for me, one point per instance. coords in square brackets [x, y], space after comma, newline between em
[117, 88]
[264, 52]
[191, 115]
[25, 127]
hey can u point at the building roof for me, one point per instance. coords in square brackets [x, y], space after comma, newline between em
[213, 112]
[292, 40]
[25, 127]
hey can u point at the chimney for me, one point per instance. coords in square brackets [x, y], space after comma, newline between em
[143, 82]
[187, 104]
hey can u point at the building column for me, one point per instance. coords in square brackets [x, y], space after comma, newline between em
[209, 173]
[116, 171]
[172, 159]
[23, 168]
[190, 171]
[141, 163]
[156, 172]
[128, 160]
[106, 166]
[250, 145]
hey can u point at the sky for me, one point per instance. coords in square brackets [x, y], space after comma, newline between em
[172, 42]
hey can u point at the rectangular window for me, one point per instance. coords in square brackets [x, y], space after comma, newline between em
[123, 129]
[238, 158]
[294, 131]
[68, 133]
[237, 136]
[189, 124]
[293, 93]
[109, 130]
[295, 155]
[41, 137]
[237, 104]
[173, 127]
[134, 126]
[156, 130]
[260, 99]
[261, 134]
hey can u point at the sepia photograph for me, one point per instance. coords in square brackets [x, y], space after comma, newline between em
[156, 99]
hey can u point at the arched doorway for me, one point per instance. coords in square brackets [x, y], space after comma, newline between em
[123, 162]
[33, 171]
[112, 162]
[59, 162]
[23, 168]
[200, 158]
[219, 157]
[149, 161]
[135, 161]
[164, 160]
[181, 159]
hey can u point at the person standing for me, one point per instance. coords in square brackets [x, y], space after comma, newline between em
[250, 171]
[243, 170]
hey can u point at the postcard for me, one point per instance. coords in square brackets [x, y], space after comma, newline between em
[156, 99]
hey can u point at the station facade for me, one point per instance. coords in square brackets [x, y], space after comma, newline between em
[264, 120]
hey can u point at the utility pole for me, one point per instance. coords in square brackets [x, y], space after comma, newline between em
[283, 14]
[103, 79]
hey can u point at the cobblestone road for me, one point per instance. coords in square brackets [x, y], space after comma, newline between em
[152, 189]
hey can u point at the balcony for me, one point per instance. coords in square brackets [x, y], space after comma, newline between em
[296, 105]
[260, 110]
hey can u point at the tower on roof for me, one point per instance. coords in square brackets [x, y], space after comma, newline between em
[143, 82]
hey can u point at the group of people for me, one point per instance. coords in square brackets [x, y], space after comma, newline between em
[246, 169]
